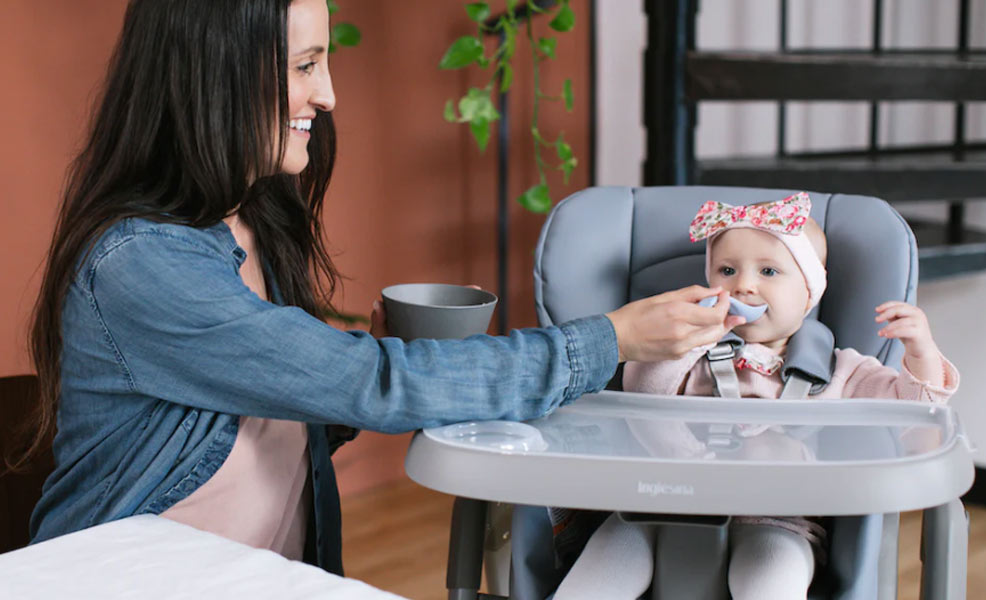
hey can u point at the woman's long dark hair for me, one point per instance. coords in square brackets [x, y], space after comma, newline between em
[194, 102]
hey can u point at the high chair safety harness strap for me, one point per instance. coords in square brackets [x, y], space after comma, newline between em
[721, 363]
[721, 358]
[807, 367]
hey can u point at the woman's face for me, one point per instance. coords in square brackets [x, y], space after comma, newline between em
[309, 83]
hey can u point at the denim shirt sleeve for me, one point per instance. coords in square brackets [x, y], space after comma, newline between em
[185, 328]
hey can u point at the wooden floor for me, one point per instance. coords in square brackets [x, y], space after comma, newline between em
[396, 538]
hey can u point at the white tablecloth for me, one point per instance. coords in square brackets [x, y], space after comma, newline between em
[148, 557]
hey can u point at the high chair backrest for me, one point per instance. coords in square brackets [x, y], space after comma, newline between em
[605, 246]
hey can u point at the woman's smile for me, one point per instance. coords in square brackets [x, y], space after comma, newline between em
[301, 127]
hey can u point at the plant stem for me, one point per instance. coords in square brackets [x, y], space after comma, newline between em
[537, 100]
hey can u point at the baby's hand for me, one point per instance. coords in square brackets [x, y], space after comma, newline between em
[909, 324]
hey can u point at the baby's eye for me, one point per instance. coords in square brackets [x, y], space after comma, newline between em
[727, 271]
[307, 68]
[768, 271]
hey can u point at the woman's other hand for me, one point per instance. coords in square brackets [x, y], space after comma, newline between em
[378, 321]
[669, 325]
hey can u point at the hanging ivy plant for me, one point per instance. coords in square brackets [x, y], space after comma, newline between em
[476, 107]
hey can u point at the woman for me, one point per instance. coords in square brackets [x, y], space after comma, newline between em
[175, 335]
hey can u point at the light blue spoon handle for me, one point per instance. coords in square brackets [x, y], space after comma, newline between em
[748, 312]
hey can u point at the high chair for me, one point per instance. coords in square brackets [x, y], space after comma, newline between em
[603, 247]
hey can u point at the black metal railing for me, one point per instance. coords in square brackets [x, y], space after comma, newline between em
[678, 77]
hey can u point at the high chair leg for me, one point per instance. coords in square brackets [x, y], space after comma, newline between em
[888, 565]
[944, 549]
[496, 556]
[465, 551]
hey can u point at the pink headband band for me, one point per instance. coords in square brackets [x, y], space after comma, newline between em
[784, 219]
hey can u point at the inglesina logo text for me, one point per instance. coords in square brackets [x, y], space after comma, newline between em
[659, 488]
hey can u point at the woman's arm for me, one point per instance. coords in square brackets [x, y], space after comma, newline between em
[184, 328]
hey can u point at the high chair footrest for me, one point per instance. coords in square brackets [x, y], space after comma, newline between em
[460, 594]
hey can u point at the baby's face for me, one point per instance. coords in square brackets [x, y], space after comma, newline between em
[756, 268]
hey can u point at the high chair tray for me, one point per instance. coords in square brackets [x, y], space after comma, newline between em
[671, 454]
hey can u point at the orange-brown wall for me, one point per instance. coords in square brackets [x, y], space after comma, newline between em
[412, 198]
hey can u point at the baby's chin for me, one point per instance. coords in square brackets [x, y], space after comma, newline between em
[757, 332]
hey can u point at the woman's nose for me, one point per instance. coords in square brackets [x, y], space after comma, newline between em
[324, 96]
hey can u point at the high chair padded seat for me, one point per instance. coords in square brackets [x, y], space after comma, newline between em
[603, 247]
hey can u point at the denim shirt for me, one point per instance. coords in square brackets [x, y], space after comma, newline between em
[164, 347]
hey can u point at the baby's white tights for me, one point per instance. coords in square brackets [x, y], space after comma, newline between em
[766, 563]
[617, 564]
[769, 563]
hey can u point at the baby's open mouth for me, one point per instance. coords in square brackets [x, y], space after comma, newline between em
[749, 312]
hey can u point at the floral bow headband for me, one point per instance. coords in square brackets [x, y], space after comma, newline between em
[784, 219]
[784, 216]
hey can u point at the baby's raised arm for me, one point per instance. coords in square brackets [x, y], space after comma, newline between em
[909, 324]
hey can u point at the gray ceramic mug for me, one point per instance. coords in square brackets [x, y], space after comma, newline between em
[437, 310]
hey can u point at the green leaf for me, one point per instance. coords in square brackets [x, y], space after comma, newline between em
[450, 112]
[536, 199]
[564, 150]
[481, 131]
[566, 92]
[346, 34]
[511, 5]
[463, 52]
[483, 62]
[568, 166]
[477, 108]
[490, 113]
[478, 11]
[333, 7]
[547, 46]
[564, 20]
[468, 107]
[476, 105]
[506, 76]
[509, 41]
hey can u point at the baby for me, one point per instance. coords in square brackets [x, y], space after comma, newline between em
[769, 254]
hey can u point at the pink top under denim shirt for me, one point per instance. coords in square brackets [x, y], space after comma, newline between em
[261, 495]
